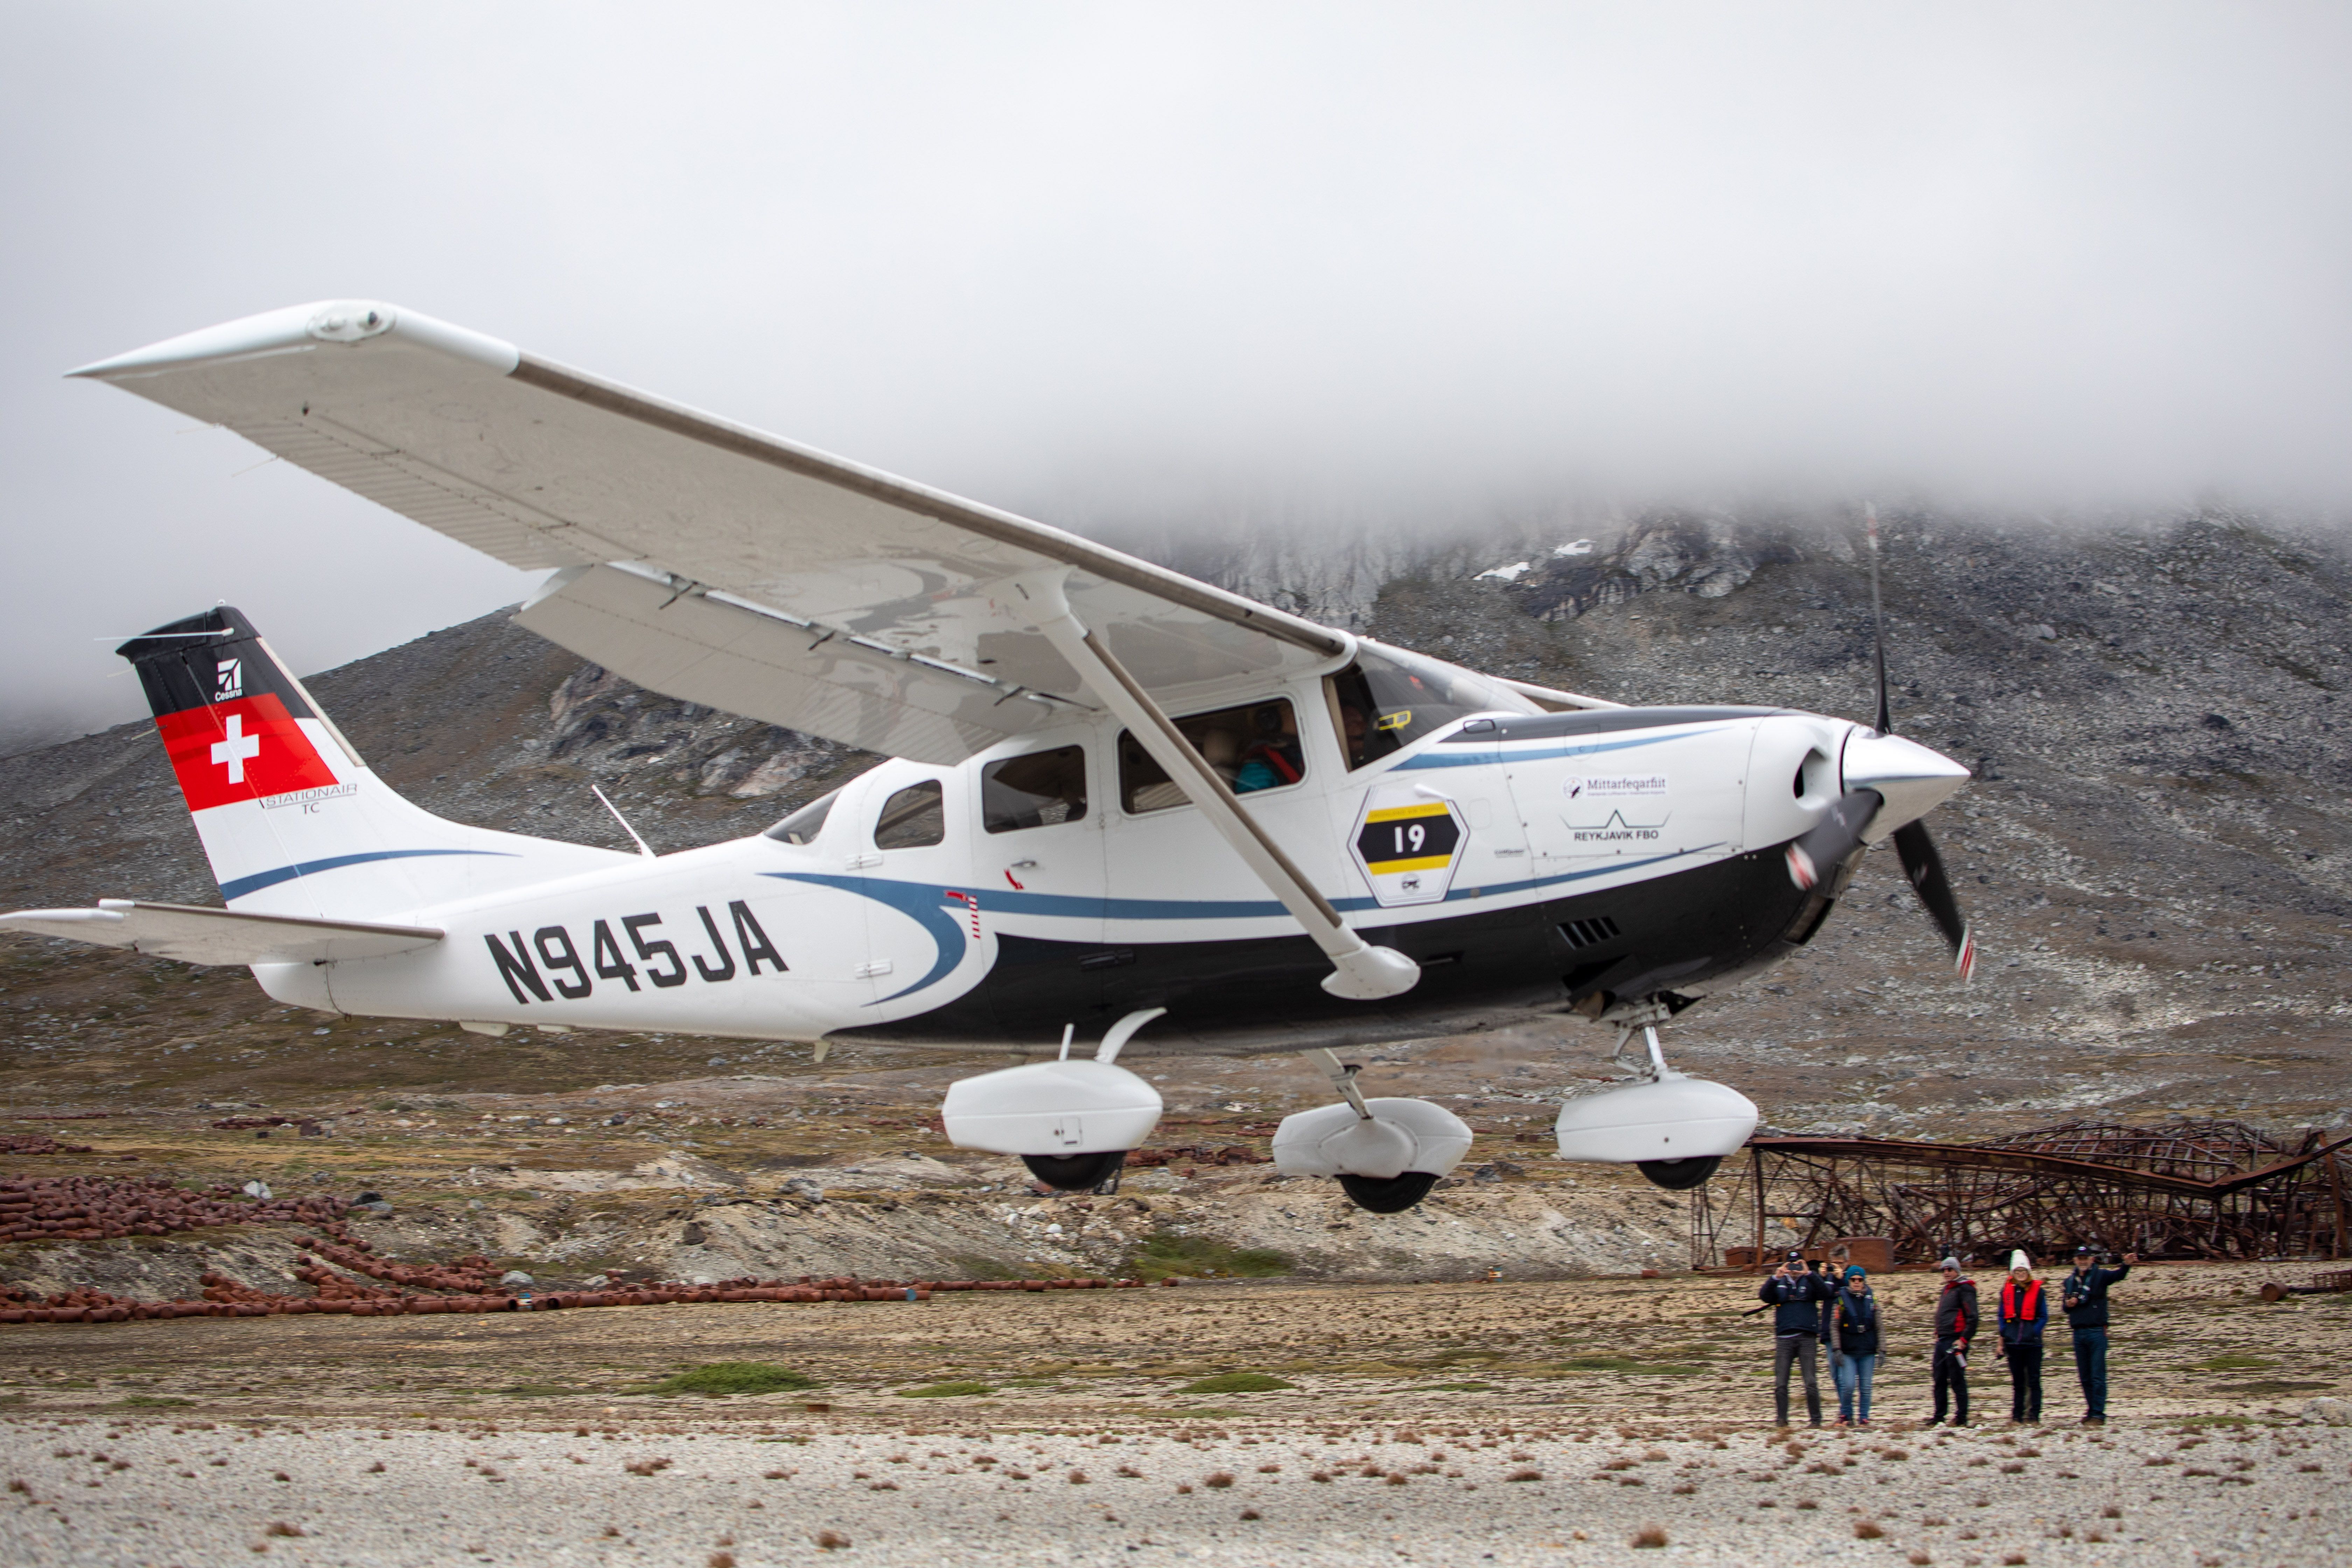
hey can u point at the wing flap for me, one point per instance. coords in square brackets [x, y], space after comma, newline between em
[194, 935]
[698, 646]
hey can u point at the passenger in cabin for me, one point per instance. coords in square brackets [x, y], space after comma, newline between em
[1272, 757]
[1355, 726]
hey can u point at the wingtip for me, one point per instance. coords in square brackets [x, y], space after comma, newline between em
[1964, 957]
[299, 328]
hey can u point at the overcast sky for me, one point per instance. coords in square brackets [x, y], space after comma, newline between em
[1097, 262]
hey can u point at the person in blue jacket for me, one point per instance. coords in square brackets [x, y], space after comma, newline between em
[1796, 1293]
[2085, 1300]
[2024, 1312]
[1853, 1319]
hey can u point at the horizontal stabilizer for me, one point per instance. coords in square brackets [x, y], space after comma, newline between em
[194, 934]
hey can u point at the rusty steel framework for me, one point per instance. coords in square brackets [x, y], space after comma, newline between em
[2179, 1189]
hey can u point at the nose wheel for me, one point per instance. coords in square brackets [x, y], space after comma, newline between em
[1675, 1129]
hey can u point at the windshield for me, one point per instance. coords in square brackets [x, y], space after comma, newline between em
[1389, 698]
[803, 826]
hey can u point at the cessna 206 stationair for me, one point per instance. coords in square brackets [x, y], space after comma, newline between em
[1124, 805]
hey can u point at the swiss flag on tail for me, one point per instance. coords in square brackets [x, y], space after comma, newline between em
[241, 750]
[228, 710]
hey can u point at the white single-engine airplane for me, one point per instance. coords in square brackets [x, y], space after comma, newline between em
[1120, 801]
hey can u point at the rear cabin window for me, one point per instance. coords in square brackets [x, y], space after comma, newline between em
[803, 826]
[1042, 789]
[913, 818]
[1253, 747]
[1388, 700]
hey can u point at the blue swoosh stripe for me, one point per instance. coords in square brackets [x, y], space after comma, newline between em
[927, 904]
[922, 902]
[232, 890]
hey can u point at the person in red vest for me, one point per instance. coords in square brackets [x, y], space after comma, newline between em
[2024, 1314]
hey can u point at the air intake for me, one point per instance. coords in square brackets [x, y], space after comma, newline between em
[1589, 932]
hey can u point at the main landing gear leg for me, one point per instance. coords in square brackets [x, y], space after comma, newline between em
[1675, 1129]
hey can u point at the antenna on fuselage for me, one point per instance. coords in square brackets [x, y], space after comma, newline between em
[643, 847]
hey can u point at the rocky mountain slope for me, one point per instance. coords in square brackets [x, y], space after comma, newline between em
[2155, 851]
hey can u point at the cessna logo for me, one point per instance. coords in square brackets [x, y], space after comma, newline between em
[228, 683]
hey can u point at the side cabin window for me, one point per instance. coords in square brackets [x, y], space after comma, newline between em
[915, 817]
[1253, 747]
[1042, 789]
[803, 826]
[1389, 698]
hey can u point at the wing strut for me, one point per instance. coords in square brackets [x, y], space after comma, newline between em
[1361, 971]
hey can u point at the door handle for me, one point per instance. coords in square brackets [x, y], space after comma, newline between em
[860, 862]
[1024, 864]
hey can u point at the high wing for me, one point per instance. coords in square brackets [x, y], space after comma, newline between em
[703, 558]
[194, 935]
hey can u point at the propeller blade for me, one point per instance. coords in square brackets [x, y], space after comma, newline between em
[1877, 618]
[1835, 839]
[1925, 869]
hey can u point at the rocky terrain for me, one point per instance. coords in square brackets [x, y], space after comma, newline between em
[2155, 854]
[1246, 1421]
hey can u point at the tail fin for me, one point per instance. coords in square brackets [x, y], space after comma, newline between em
[292, 820]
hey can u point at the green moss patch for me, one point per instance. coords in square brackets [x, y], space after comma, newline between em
[1164, 1253]
[719, 1378]
[1239, 1383]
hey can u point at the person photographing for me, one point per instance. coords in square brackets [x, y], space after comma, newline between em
[1955, 1325]
[2085, 1299]
[1797, 1293]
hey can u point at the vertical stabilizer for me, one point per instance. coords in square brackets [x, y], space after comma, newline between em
[292, 820]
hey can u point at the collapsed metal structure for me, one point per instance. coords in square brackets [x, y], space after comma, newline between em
[2184, 1189]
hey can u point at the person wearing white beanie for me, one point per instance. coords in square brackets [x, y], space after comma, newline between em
[2024, 1313]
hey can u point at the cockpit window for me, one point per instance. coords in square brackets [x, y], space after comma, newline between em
[803, 826]
[1389, 698]
[915, 817]
[1042, 789]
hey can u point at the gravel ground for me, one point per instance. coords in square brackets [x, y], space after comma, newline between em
[89, 1493]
